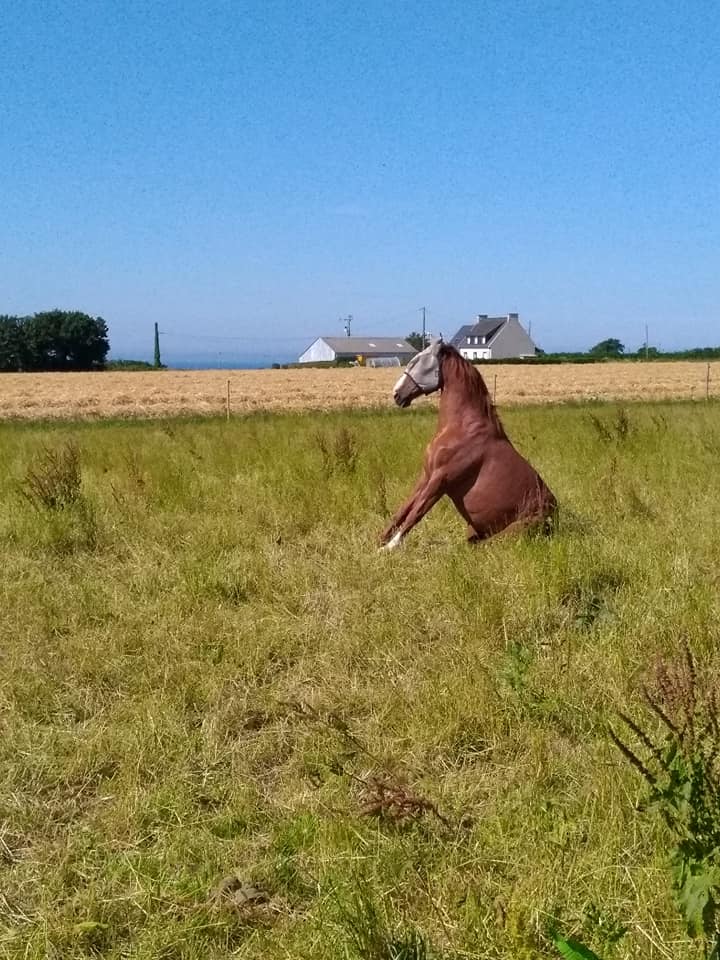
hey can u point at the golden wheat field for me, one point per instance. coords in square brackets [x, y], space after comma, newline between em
[183, 392]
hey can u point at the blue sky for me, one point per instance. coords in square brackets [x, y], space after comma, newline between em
[258, 170]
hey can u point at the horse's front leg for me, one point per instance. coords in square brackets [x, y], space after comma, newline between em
[404, 510]
[424, 500]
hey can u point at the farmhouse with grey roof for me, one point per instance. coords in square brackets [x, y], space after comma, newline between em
[352, 348]
[494, 338]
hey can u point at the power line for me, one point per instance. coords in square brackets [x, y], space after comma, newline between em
[289, 339]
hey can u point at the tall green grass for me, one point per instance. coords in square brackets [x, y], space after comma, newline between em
[231, 727]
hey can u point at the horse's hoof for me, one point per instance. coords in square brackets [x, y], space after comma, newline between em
[391, 544]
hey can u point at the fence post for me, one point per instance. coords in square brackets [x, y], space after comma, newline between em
[227, 402]
[707, 383]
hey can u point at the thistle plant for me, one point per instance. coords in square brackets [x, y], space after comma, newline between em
[680, 763]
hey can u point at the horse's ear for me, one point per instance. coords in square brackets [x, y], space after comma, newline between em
[435, 345]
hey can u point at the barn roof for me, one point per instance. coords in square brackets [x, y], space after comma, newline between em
[369, 346]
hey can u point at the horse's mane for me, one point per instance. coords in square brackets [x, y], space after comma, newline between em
[457, 370]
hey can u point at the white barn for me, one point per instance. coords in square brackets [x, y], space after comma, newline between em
[329, 349]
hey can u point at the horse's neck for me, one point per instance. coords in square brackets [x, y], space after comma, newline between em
[456, 403]
[461, 401]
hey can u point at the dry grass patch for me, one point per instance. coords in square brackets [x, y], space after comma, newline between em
[182, 392]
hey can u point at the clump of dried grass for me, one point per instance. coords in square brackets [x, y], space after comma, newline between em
[54, 481]
[339, 451]
[388, 799]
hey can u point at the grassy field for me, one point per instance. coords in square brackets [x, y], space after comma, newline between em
[173, 392]
[232, 728]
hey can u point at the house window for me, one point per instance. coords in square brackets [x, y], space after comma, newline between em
[475, 353]
[469, 340]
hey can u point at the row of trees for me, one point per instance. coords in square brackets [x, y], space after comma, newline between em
[612, 347]
[53, 340]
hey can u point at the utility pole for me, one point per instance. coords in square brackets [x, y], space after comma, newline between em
[348, 321]
[157, 363]
[422, 311]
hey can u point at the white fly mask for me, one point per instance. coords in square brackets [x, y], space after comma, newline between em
[421, 376]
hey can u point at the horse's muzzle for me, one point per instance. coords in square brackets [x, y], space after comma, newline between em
[406, 390]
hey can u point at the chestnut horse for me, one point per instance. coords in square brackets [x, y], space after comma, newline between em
[470, 459]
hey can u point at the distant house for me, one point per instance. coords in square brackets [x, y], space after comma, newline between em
[494, 338]
[354, 348]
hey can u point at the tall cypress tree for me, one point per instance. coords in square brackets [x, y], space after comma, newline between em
[157, 362]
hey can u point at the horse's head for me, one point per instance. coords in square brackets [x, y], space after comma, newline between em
[421, 376]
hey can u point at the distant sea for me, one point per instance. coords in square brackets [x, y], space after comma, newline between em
[210, 364]
[221, 362]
